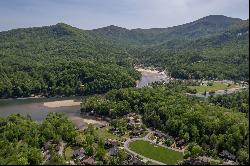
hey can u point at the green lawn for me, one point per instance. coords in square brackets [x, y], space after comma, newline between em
[68, 153]
[155, 152]
[105, 134]
[216, 86]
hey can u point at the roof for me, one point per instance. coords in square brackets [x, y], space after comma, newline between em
[79, 152]
[135, 161]
[113, 151]
[227, 154]
[89, 161]
[46, 145]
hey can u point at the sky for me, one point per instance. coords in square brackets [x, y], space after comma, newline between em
[91, 14]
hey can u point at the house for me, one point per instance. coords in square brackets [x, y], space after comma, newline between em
[88, 161]
[46, 156]
[180, 143]
[226, 154]
[113, 151]
[195, 161]
[79, 154]
[132, 160]
[160, 135]
[135, 161]
[109, 143]
[229, 162]
[47, 145]
[136, 133]
[134, 121]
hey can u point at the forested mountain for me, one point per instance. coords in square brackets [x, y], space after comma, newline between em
[64, 60]
[200, 28]
[221, 56]
[213, 47]
[60, 60]
[57, 42]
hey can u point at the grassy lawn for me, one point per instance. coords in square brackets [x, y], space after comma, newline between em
[68, 153]
[155, 152]
[216, 86]
[105, 134]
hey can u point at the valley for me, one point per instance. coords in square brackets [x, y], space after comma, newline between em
[117, 96]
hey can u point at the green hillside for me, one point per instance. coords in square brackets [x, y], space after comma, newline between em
[213, 47]
[221, 56]
[203, 27]
[60, 60]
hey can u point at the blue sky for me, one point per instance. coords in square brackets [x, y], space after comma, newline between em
[90, 14]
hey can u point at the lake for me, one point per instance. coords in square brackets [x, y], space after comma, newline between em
[150, 76]
[36, 109]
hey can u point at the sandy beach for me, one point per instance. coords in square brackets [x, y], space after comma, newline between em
[147, 71]
[63, 103]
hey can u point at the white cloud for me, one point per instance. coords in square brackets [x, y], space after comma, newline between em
[88, 14]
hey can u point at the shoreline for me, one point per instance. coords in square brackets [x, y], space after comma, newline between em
[37, 97]
[218, 92]
[151, 72]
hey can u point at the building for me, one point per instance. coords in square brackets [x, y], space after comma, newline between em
[79, 154]
[109, 143]
[88, 161]
[226, 154]
[113, 151]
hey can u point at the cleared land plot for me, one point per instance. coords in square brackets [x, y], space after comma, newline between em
[105, 134]
[68, 153]
[155, 152]
[215, 86]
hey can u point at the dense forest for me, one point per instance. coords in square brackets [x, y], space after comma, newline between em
[238, 101]
[22, 140]
[63, 78]
[168, 109]
[221, 56]
[213, 47]
[61, 60]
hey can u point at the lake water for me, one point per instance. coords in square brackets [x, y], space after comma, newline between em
[148, 78]
[35, 108]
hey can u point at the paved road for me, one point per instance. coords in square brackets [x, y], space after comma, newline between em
[146, 138]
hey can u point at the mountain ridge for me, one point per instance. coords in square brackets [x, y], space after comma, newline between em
[199, 28]
[165, 48]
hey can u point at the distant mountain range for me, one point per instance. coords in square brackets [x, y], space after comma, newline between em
[213, 47]
[203, 27]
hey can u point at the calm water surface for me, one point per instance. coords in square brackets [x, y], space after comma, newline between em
[150, 78]
[35, 107]
[38, 112]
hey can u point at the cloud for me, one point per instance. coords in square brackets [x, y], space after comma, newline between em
[89, 14]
